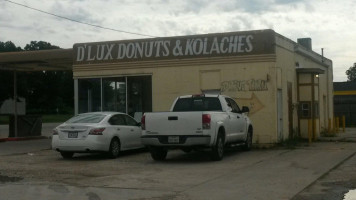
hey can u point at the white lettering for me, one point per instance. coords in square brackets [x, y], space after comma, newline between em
[130, 50]
[215, 46]
[249, 43]
[139, 49]
[89, 54]
[205, 52]
[166, 45]
[198, 48]
[158, 47]
[100, 52]
[188, 47]
[121, 51]
[108, 54]
[241, 44]
[233, 44]
[222, 48]
[80, 53]
[148, 51]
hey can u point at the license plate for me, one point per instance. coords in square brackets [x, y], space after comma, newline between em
[173, 139]
[72, 134]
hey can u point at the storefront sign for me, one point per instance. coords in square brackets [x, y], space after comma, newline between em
[210, 45]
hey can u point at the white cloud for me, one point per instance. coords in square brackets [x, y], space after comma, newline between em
[329, 23]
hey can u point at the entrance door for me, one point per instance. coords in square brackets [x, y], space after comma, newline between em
[279, 116]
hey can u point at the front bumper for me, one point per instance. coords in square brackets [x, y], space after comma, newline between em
[184, 140]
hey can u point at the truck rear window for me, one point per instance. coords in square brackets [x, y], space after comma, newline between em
[197, 104]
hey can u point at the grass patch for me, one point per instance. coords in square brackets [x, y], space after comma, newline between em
[55, 118]
[45, 118]
[4, 119]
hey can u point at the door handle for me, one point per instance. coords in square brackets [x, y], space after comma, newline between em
[132, 130]
[118, 129]
[238, 117]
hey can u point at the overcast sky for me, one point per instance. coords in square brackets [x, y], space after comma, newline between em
[331, 24]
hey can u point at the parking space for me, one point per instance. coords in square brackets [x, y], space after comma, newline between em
[279, 173]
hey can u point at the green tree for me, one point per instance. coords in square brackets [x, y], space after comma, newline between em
[6, 77]
[40, 45]
[46, 92]
[351, 73]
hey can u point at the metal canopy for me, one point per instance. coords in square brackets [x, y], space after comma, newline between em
[42, 60]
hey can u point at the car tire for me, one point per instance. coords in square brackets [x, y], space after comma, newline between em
[114, 149]
[248, 142]
[67, 155]
[217, 152]
[158, 153]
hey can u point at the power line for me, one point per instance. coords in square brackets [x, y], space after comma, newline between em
[73, 20]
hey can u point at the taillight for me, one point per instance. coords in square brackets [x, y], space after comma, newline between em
[206, 121]
[54, 132]
[143, 122]
[96, 131]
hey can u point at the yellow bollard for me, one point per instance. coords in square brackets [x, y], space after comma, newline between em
[310, 129]
[329, 127]
[337, 124]
[343, 123]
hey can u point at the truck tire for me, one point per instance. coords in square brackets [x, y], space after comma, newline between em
[67, 155]
[158, 153]
[217, 152]
[248, 143]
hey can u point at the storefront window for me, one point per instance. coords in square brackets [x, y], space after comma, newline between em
[139, 91]
[132, 95]
[89, 97]
[114, 94]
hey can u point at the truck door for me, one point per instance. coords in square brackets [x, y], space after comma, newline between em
[237, 121]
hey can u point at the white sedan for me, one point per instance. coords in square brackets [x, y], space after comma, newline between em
[109, 132]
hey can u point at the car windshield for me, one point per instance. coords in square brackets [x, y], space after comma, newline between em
[87, 118]
[197, 104]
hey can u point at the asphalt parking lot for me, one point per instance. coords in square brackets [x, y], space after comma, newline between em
[30, 170]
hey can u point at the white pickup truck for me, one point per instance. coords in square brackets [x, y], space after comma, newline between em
[197, 121]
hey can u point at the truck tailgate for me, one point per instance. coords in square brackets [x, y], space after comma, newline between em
[174, 123]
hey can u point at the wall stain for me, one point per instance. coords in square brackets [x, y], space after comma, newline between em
[244, 85]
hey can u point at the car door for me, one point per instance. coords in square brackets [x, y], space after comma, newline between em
[121, 129]
[134, 130]
[237, 121]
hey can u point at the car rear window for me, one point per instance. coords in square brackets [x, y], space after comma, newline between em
[87, 118]
[197, 104]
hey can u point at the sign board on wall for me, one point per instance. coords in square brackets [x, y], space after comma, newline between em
[193, 46]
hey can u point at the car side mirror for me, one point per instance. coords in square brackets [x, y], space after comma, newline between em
[245, 109]
[138, 123]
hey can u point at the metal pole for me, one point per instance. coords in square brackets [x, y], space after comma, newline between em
[15, 102]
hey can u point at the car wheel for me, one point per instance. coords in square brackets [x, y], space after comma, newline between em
[158, 153]
[248, 143]
[217, 152]
[67, 155]
[114, 149]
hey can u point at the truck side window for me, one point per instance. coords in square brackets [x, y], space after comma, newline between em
[231, 103]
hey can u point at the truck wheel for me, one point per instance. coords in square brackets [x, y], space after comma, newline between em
[248, 143]
[217, 151]
[158, 153]
[67, 155]
[114, 149]
[187, 150]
